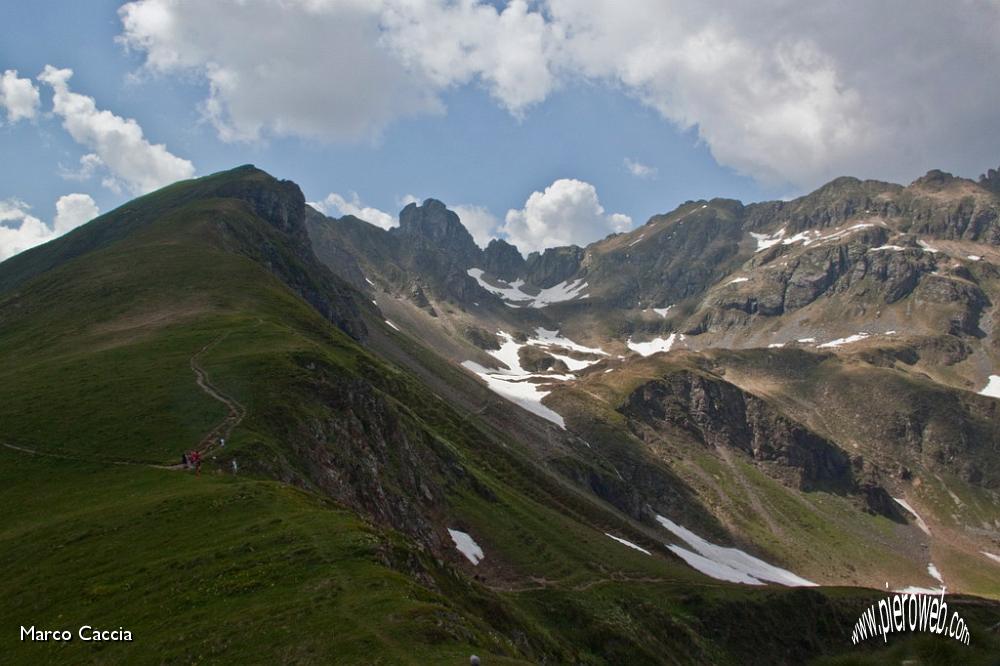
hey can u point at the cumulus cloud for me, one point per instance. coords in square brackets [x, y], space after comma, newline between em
[511, 51]
[640, 170]
[340, 69]
[20, 230]
[337, 206]
[322, 74]
[481, 223]
[18, 97]
[792, 92]
[785, 91]
[117, 143]
[567, 212]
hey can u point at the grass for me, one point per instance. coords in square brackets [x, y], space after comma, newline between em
[206, 569]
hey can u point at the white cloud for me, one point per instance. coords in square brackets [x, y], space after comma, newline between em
[640, 170]
[72, 210]
[116, 142]
[510, 51]
[340, 69]
[19, 230]
[567, 212]
[776, 90]
[321, 75]
[336, 205]
[785, 91]
[19, 97]
[481, 223]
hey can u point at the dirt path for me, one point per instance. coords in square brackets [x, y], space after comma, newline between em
[236, 413]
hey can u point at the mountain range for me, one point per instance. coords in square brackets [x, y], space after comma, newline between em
[712, 439]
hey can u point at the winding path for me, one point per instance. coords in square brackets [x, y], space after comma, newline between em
[235, 415]
[237, 411]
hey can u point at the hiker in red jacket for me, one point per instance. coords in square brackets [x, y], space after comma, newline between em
[195, 459]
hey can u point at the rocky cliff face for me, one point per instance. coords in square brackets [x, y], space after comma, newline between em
[287, 252]
[555, 265]
[503, 260]
[432, 225]
[719, 414]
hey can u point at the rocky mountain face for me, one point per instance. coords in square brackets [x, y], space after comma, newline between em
[503, 260]
[818, 303]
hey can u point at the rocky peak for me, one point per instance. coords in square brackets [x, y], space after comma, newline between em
[279, 202]
[555, 265]
[433, 224]
[991, 180]
[502, 259]
[935, 179]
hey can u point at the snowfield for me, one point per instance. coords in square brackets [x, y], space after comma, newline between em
[764, 241]
[467, 546]
[992, 388]
[654, 346]
[513, 296]
[729, 564]
[519, 385]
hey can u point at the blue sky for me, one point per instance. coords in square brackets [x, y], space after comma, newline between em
[505, 118]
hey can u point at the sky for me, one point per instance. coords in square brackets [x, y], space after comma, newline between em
[544, 122]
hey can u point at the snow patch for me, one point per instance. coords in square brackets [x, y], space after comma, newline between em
[974, 257]
[546, 338]
[995, 558]
[857, 337]
[893, 248]
[467, 546]
[517, 384]
[654, 346]
[920, 521]
[805, 340]
[765, 241]
[776, 345]
[992, 388]
[731, 564]
[927, 247]
[369, 281]
[628, 543]
[391, 324]
[663, 311]
[933, 571]
[516, 297]
[738, 280]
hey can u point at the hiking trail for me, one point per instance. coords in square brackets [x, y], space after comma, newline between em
[209, 442]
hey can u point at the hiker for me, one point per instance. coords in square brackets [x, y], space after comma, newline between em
[196, 461]
[474, 660]
[222, 442]
[235, 468]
